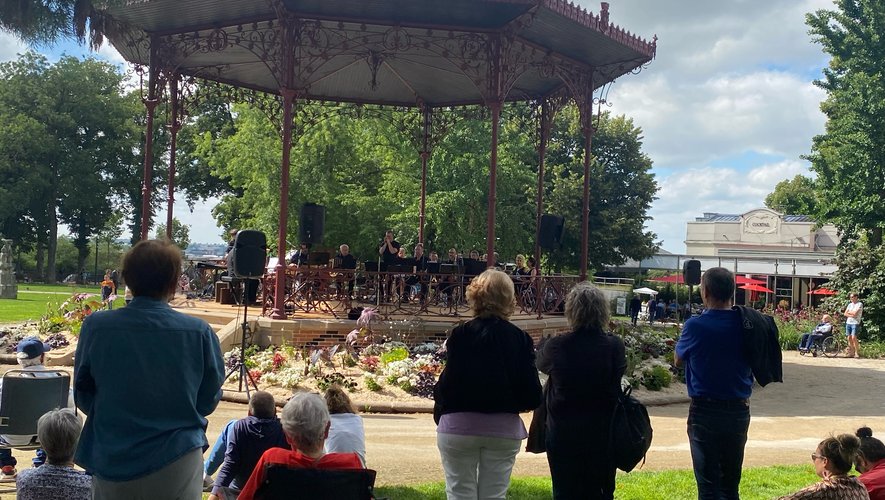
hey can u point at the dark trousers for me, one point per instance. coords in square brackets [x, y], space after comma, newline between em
[634, 316]
[717, 433]
[576, 452]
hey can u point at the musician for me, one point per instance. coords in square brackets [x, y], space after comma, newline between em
[299, 258]
[422, 279]
[433, 257]
[421, 260]
[389, 250]
[344, 260]
[449, 281]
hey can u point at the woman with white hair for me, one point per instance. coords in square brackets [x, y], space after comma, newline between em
[585, 369]
[306, 424]
[58, 432]
[489, 378]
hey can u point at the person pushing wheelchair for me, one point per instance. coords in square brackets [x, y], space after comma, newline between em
[824, 328]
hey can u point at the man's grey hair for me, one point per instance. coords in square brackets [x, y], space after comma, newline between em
[586, 308]
[35, 361]
[58, 432]
[305, 418]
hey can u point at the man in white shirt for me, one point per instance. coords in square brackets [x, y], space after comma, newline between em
[853, 313]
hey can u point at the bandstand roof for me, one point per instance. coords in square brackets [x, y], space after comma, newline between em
[395, 52]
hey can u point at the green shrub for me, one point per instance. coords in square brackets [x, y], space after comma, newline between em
[657, 378]
[872, 350]
[395, 354]
[372, 384]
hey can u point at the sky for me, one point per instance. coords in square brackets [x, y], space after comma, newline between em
[727, 108]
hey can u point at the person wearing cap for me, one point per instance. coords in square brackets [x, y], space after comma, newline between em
[30, 354]
[146, 376]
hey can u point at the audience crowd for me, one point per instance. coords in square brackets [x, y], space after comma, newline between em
[144, 433]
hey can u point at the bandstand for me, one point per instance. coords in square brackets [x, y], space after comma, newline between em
[426, 56]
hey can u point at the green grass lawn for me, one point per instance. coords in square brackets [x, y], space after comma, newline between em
[756, 484]
[34, 300]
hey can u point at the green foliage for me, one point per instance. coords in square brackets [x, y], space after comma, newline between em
[849, 157]
[70, 314]
[63, 156]
[395, 354]
[334, 378]
[861, 269]
[657, 378]
[350, 158]
[180, 233]
[795, 196]
[372, 384]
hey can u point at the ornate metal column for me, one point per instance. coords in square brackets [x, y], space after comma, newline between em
[494, 101]
[425, 154]
[584, 99]
[174, 126]
[150, 103]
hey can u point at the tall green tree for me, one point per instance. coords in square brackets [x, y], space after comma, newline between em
[77, 111]
[849, 157]
[622, 189]
[796, 196]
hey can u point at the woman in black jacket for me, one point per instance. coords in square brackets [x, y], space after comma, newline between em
[585, 369]
[489, 378]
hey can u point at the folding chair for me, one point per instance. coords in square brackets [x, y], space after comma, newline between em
[296, 483]
[25, 398]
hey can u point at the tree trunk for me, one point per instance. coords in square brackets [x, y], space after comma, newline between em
[39, 271]
[82, 254]
[52, 245]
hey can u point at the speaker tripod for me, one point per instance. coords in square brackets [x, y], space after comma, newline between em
[240, 368]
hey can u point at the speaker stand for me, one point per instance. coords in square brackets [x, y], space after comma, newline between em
[240, 367]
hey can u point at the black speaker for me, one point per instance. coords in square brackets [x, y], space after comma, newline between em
[249, 254]
[691, 272]
[552, 231]
[311, 223]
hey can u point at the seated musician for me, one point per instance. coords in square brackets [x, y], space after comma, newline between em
[433, 257]
[299, 258]
[419, 277]
[345, 260]
[449, 281]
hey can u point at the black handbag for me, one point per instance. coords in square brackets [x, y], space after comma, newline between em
[537, 440]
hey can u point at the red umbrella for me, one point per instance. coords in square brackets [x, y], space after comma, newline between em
[756, 288]
[822, 291]
[675, 278]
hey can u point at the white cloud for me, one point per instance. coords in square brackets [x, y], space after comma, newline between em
[10, 46]
[109, 53]
[688, 193]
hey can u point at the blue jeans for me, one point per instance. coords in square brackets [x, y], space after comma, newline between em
[851, 329]
[717, 433]
[216, 454]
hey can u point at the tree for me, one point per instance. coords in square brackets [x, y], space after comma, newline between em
[621, 191]
[76, 113]
[849, 157]
[46, 21]
[796, 196]
[180, 233]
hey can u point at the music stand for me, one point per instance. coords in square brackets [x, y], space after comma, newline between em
[318, 259]
[473, 267]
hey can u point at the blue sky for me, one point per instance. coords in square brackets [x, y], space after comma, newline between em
[727, 108]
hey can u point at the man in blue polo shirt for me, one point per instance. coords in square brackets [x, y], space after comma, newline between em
[719, 382]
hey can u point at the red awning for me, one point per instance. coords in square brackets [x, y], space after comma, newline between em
[822, 291]
[756, 288]
[740, 279]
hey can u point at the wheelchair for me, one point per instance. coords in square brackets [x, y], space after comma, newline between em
[828, 346]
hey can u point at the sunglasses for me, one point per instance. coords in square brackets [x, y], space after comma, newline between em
[815, 456]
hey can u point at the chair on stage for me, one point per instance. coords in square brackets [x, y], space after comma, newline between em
[25, 398]
[296, 483]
